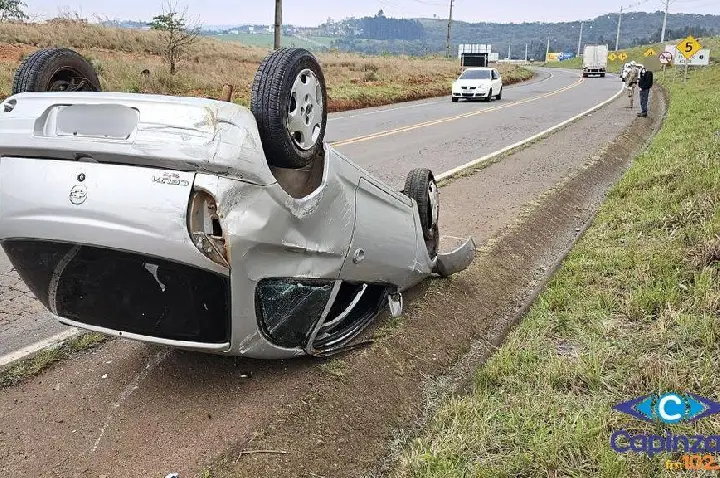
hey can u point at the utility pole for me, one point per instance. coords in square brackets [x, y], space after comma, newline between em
[278, 22]
[580, 40]
[617, 40]
[662, 33]
[509, 46]
[449, 27]
[547, 52]
[526, 51]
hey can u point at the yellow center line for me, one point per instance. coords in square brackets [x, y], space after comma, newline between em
[404, 129]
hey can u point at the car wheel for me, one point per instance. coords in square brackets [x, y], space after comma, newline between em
[55, 69]
[455, 100]
[489, 96]
[499, 95]
[289, 101]
[420, 185]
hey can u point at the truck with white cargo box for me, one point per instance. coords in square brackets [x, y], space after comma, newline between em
[595, 59]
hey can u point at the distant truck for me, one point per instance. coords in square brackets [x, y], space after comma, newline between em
[595, 60]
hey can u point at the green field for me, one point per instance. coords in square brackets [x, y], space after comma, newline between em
[637, 302]
[266, 40]
[637, 54]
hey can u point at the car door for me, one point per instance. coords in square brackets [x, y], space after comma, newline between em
[497, 80]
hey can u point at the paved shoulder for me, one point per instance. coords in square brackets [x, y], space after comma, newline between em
[23, 320]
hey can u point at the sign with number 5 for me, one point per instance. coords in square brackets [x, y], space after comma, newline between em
[688, 47]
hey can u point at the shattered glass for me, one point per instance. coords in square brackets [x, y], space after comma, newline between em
[289, 309]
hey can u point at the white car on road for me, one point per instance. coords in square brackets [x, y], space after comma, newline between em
[475, 83]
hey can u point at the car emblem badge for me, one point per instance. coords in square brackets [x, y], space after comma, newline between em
[78, 194]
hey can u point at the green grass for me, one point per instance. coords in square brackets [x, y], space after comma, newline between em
[633, 309]
[26, 369]
[637, 54]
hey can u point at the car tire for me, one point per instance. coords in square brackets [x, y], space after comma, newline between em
[292, 128]
[455, 100]
[489, 96]
[602, 75]
[55, 69]
[420, 185]
[499, 95]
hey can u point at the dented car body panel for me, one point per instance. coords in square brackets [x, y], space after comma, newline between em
[158, 219]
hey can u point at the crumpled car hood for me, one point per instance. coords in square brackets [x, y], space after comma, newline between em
[195, 134]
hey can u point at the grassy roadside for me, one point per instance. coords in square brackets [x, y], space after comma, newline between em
[120, 55]
[634, 309]
[33, 366]
[637, 54]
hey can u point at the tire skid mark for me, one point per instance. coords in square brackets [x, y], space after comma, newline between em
[134, 384]
[447, 119]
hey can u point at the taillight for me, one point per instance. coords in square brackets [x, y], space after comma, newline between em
[205, 228]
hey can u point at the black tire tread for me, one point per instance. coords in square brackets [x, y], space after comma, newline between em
[30, 73]
[267, 106]
[416, 187]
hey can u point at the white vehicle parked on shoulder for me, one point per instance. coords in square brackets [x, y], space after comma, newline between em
[478, 83]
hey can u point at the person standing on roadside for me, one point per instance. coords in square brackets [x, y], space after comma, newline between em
[631, 81]
[645, 82]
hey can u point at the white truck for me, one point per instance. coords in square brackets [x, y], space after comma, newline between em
[595, 59]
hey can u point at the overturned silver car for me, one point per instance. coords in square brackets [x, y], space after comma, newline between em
[200, 224]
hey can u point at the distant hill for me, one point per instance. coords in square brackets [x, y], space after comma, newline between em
[424, 36]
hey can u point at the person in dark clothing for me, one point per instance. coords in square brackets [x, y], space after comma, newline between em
[645, 82]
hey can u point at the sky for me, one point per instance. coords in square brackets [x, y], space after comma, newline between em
[314, 12]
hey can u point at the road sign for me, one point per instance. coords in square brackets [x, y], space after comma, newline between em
[665, 58]
[612, 56]
[688, 47]
[553, 57]
[650, 52]
[701, 58]
[622, 56]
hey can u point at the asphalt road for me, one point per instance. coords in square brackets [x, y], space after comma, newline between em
[388, 141]
[441, 135]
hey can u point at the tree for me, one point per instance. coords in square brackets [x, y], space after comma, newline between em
[178, 36]
[12, 10]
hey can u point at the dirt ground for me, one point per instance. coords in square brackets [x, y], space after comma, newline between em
[129, 409]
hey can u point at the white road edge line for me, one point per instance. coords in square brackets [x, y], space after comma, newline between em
[60, 338]
[54, 341]
[475, 162]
